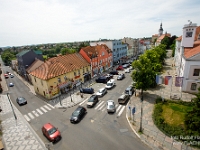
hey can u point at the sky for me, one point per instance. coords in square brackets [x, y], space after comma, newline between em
[28, 22]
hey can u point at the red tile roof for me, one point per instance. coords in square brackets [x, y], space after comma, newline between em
[179, 38]
[57, 66]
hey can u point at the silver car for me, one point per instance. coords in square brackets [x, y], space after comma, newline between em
[111, 106]
[101, 92]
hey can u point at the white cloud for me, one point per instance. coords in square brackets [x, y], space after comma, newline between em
[25, 22]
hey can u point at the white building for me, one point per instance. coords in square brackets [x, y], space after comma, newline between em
[187, 57]
[119, 49]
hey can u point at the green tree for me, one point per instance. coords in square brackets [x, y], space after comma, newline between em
[192, 118]
[166, 41]
[7, 56]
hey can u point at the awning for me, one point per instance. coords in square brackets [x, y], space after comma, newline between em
[65, 84]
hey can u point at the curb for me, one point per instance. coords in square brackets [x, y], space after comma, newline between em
[132, 127]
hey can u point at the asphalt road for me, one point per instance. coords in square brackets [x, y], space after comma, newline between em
[97, 130]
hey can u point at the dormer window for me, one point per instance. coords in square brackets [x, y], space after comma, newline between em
[188, 34]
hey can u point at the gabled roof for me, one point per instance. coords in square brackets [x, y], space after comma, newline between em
[22, 53]
[34, 65]
[179, 38]
[92, 51]
[57, 66]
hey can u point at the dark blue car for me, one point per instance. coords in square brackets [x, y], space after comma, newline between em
[87, 90]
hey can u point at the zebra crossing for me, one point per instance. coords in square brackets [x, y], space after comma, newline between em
[101, 106]
[39, 111]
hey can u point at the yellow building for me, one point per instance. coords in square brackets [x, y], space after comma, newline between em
[60, 74]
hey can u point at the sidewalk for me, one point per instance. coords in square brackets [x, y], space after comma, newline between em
[151, 135]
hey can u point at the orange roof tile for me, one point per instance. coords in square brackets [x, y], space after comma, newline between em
[179, 38]
[192, 51]
[59, 65]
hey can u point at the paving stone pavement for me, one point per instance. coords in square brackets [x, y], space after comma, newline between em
[151, 135]
[17, 133]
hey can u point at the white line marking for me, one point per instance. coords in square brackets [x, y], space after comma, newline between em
[121, 111]
[27, 118]
[43, 109]
[51, 106]
[35, 113]
[83, 102]
[39, 111]
[99, 105]
[118, 108]
[32, 117]
[47, 107]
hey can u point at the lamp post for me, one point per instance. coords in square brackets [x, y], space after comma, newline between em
[11, 107]
[140, 130]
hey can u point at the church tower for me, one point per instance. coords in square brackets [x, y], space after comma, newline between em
[160, 31]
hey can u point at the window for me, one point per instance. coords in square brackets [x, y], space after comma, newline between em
[59, 80]
[35, 79]
[193, 86]
[199, 37]
[65, 78]
[41, 82]
[79, 72]
[87, 69]
[102, 53]
[74, 73]
[188, 34]
[196, 72]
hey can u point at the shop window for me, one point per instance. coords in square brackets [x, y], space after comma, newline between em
[196, 72]
[193, 86]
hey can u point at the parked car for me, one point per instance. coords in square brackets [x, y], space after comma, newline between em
[110, 84]
[78, 114]
[11, 84]
[92, 101]
[11, 75]
[101, 92]
[129, 90]
[51, 133]
[21, 101]
[111, 106]
[6, 76]
[127, 70]
[125, 65]
[114, 72]
[123, 98]
[120, 68]
[121, 76]
[87, 90]
[102, 79]
[109, 76]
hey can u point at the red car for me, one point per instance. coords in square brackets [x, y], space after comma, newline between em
[120, 68]
[51, 133]
[6, 76]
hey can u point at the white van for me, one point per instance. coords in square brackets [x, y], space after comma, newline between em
[110, 84]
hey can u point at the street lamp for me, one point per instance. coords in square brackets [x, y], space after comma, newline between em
[140, 130]
[11, 107]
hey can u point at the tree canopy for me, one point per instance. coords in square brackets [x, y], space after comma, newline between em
[7, 56]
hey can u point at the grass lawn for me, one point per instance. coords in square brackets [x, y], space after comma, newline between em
[174, 114]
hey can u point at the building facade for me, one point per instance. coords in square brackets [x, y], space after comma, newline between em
[99, 57]
[187, 58]
[118, 48]
[59, 75]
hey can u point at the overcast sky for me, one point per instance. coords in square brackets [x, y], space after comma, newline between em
[27, 22]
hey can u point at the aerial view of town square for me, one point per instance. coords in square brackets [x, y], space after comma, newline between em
[99, 75]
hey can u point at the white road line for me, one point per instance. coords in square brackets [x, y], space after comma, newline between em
[27, 118]
[51, 106]
[83, 102]
[39, 111]
[121, 111]
[47, 107]
[118, 108]
[99, 105]
[35, 113]
[43, 109]
[32, 117]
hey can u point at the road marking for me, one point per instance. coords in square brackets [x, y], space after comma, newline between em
[35, 113]
[99, 105]
[121, 111]
[118, 108]
[32, 117]
[51, 106]
[47, 107]
[39, 111]
[83, 102]
[43, 109]
[27, 118]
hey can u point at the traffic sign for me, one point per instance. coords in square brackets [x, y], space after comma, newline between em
[133, 110]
